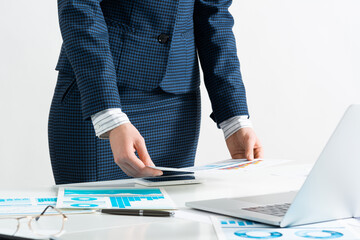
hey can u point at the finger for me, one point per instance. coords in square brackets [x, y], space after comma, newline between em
[259, 152]
[143, 153]
[249, 150]
[128, 170]
[145, 157]
[125, 166]
[145, 172]
[134, 172]
[141, 169]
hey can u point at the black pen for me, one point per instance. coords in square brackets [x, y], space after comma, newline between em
[134, 212]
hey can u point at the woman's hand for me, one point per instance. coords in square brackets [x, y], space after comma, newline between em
[244, 144]
[125, 140]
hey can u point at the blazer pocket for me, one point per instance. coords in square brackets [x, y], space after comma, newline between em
[116, 32]
[66, 86]
[140, 60]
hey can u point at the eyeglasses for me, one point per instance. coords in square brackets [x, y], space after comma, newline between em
[50, 224]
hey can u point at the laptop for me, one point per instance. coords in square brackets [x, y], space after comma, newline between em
[331, 190]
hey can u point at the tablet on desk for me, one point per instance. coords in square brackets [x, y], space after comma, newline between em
[168, 180]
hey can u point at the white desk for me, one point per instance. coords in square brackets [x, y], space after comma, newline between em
[195, 224]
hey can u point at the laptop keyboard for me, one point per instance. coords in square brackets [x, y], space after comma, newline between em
[278, 210]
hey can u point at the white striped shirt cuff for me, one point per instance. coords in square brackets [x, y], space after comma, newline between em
[107, 120]
[231, 125]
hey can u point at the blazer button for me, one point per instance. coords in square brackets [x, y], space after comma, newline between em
[163, 38]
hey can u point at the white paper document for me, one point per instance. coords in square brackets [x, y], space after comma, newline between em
[233, 229]
[22, 205]
[113, 198]
[25, 205]
[228, 164]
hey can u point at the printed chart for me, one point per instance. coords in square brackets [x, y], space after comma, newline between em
[228, 164]
[24, 205]
[21, 205]
[236, 229]
[244, 165]
[114, 198]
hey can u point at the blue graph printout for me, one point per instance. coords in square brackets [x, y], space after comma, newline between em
[28, 204]
[228, 164]
[20, 205]
[235, 229]
[114, 198]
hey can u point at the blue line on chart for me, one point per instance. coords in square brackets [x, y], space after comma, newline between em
[113, 192]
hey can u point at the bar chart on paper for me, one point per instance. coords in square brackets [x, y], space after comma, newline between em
[119, 198]
[228, 164]
[24, 205]
[233, 223]
[227, 228]
[12, 205]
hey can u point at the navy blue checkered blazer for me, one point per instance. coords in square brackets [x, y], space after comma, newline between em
[145, 44]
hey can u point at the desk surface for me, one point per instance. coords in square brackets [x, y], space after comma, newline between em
[187, 223]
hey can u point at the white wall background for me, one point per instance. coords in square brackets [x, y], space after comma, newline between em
[300, 62]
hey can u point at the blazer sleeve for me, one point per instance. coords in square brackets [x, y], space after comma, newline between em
[216, 47]
[85, 38]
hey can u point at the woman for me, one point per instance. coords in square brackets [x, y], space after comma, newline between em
[128, 72]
